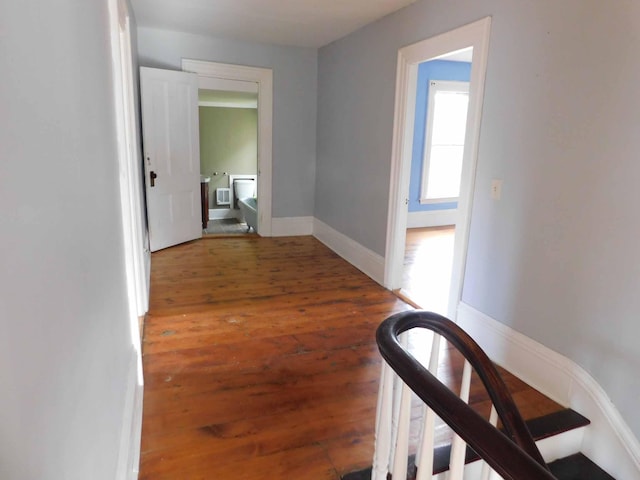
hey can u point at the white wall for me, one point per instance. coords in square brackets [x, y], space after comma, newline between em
[557, 258]
[294, 102]
[65, 345]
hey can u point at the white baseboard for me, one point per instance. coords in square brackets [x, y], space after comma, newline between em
[147, 272]
[357, 255]
[129, 453]
[609, 442]
[220, 213]
[432, 218]
[291, 226]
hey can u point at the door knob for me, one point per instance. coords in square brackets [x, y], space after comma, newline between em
[153, 176]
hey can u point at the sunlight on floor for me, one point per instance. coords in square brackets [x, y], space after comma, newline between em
[427, 267]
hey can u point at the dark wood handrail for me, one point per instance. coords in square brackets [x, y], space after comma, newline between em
[513, 455]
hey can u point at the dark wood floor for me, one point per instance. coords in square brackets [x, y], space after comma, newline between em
[260, 362]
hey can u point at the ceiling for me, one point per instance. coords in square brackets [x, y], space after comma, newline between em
[303, 23]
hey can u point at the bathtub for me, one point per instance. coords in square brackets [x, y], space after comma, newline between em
[249, 209]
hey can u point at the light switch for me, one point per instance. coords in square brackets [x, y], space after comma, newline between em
[496, 188]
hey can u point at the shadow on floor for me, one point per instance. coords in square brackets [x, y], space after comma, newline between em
[227, 226]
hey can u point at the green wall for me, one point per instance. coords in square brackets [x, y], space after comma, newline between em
[228, 143]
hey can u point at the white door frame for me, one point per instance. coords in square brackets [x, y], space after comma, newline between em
[130, 163]
[474, 35]
[134, 232]
[264, 78]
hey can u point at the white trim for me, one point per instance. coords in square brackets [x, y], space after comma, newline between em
[139, 237]
[228, 104]
[474, 35]
[291, 226]
[131, 433]
[135, 236]
[264, 78]
[225, 84]
[136, 433]
[220, 213]
[609, 442]
[129, 160]
[436, 201]
[432, 218]
[365, 260]
[400, 174]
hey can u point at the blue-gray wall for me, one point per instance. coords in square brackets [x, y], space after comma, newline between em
[66, 345]
[427, 71]
[557, 258]
[294, 103]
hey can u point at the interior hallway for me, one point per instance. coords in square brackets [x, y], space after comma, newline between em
[260, 362]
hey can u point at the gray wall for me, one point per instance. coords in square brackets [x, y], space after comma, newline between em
[294, 103]
[557, 258]
[65, 344]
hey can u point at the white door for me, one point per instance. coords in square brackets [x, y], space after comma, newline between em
[170, 130]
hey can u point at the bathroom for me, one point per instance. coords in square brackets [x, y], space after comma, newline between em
[228, 161]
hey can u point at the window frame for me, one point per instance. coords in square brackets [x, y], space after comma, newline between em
[436, 86]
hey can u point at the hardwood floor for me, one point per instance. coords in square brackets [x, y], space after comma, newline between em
[426, 274]
[260, 362]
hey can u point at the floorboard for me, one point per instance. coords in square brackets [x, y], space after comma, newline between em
[260, 362]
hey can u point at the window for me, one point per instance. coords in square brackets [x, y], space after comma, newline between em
[444, 141]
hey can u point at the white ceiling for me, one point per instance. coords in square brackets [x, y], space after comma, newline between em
[304, 23]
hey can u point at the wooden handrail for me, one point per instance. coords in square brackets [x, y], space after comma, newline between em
[513, 455]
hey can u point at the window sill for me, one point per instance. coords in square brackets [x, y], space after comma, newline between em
[432, 201]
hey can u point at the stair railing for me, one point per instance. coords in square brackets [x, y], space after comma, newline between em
[512, 454]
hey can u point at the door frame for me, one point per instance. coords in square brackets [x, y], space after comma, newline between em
[264, 78]
[136, 241]
[474, 35]
[137, 256]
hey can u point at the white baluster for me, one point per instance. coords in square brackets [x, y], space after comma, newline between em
[487, 471]
[424, 457]
[395, 417]
[401, 454]
[381, 458]
[402, 417]
[458, 446]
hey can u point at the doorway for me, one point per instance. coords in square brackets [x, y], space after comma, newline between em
[212, 75]
[229, 157]
[442, 98]
[469, 38]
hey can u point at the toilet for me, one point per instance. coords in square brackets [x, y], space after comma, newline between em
[243, 188]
